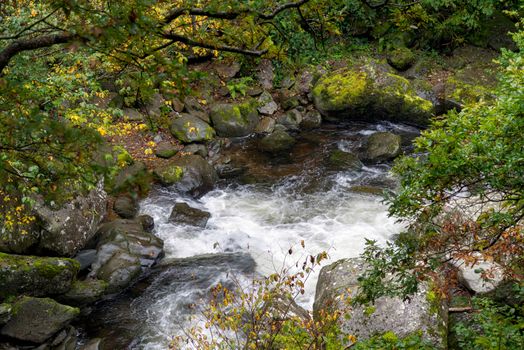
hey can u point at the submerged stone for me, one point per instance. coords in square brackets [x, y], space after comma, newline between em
[276, 142]
[382, 146]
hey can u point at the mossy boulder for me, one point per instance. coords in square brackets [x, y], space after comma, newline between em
[424, 312]
[382, 146]
[189, 174]
[401, 58]
[339, 160]
[84, 292]
[165, 150]
[38, 319]
[37, 276]
[370, 94]
[277, 142]
[188, 128]
[234, 120]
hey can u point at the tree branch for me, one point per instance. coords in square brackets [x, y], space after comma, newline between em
[190, 42]
[32, 44]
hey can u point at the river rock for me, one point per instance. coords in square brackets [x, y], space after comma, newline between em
[382, 146]
[93, 344]
[267, 105]
[276, 142]
[182, 213]
[188, 128]
[311, 120]
[195, 148]
[68, 342]
[155, 105]
[131, 178]
[424, 311]
[131, 114]
[291, 119]
[265, 74]
[85, 258]
[291, 102]
[5, 313]
[265, 126]
[165, 150]
[84, 292]
[195, 109]
[480, 277]
[38, 276]
[189, 174]
[339, 160]
[401, 58]
[368, 93]
[119, 271]
[38, 319]
[126, 207]
[148, 223]
[234, 120]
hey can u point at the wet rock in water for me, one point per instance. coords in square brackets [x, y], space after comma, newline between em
[38, 319]
[291, 119]
[60, 229]
[370, 94]
[188, 128]
[148, 223]
[401, 58]
[276, 142]
[339, 160]
[265, 126]
[234, 120]
[5, 313]
[93, 344]
[424, 312]
[195, 148]
[84, 292]
[85, 258]
[165, 150]
[267, 105]
[382, 146]
[311, 120]
[481, 277]
[33, 275]
[182, 213]
[195, 109]
[126, 207]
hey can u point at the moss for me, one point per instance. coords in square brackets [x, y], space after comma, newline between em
[341, 89]
[170, 174]
[401, 58]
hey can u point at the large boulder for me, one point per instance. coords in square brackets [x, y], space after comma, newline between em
[38, 319]
[424, 311]
[339, 160]
[277, 142]
[370, 94]
[401, 58]
[382, 146]
[182, 213]
[62, 230]
[480, 276]
[38, 276]
[234, 120]
[84, 292]
[188, 128]
[190, 174]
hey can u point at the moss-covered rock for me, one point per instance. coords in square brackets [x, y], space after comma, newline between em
[169, 175]
[370, 94]
[84, 292]
[340, 160]
[382, 146]
[5, 313]
[38, 276]
[234, 120]
[165, 150]
[401, 58]
[38, 319]
[188, 128]
[277, 142]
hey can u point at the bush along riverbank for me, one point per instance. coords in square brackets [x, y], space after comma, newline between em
[74, 254]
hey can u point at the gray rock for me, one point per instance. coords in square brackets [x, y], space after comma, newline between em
[423, 312]
[277, 142]
[481, 277]
[304, 82]
[165, 150]
[38, 319]
[177, 104]
[234, 120]
[265, 126]
[291, 119]
[126, 207]
[291, 102]
[155, 105]
[119, 271]
[188, 128]
[182, 213]
[339, 160]
[195, 148]
[311, 120]
[265, 74]
[85, 258]
[84, 292]
[131, 114]
[382, 146]
[227, 70]
[195, 109]
[5, 313]
[189, 174]
[38, 276]
[68, 342]
[147, 222]
[93, 344]
[267, 105]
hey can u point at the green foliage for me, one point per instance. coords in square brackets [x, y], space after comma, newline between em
[390, 341]
[491, 326]
[239, 86]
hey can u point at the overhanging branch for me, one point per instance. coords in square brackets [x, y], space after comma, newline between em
[226, 48]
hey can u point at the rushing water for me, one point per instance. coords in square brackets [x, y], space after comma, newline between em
[253, 224]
